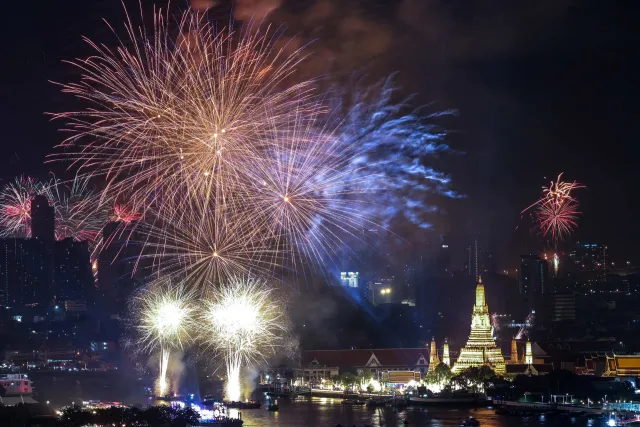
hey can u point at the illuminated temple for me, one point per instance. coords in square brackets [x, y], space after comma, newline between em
[481, 349]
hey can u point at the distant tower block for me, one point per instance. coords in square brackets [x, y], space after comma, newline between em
[433, 355]
[445, 354]
[514, 351]
[528, 355]
[481, 349]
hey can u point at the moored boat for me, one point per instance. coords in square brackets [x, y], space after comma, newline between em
[16, 385]
[251, 404]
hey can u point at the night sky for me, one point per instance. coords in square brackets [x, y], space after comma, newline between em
[539, 88]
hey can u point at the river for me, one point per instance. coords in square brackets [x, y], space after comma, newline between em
[327, 412]
[63, 388]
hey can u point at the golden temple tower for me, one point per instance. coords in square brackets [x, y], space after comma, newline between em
[480, 348]
[433, 355]
[528, 355]
[514, 352]
[445, 354]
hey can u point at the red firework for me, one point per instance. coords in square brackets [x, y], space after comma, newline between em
[556, 212]
[15, 207]
[124, 214]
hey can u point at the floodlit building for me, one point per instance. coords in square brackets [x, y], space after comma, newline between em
[349, 279]
[481, 349]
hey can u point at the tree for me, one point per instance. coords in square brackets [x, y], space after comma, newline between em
[185, 417]
[157, 415]
[74, 416]
[442, 374]
[364, 379]
[348, 379]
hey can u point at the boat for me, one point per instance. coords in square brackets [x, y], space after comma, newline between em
[470, 422]
[281, 394]
[223, 421]
[457, 399]
[16, 385]
[250, 404]
[353, 402]
[273, 407]
[373, 403]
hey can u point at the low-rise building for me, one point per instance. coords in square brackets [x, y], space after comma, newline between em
[325, 364]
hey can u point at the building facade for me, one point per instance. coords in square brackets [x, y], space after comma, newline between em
[324, 364]
[533, 275]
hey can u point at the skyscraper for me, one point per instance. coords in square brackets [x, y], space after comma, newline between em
[473, 254]
[43, 234]
[21, 263]
[116, 265]
[73, 275]
[42, 219]
[533, 275]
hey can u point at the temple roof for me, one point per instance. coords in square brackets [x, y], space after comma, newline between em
[394, 357]
[623, 365]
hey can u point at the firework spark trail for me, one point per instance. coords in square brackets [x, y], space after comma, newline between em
[178, 118]
[166, 322]
[15, 206]
[78, 214]
[556, 212]
[123, 213]
[210, 123]
[195, 246]
[243, 323]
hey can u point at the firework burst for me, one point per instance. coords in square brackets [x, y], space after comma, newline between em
[243, 323]
[15, 206]
[177, 118]
[77, 212]
[556, 212]
[165, 322]
[209, 130]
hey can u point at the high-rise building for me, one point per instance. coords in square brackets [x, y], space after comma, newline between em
[22, 271]
[42, 219]
[564, 307]
[479, 258]
[381, 291]
[43, 232]
[116, 265]
[480, 349]
[589, 257]
[533, 275]
[73, 275]
[473, 258]
[349, 279]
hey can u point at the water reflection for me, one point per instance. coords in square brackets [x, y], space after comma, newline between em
[328, 412]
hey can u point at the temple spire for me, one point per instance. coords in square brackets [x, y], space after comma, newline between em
[528, 355]
[445, 354]
[481, 348]
[514, 351]
[433, 355]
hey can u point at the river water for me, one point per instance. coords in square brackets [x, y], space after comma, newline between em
[62, 389]
[326, 412]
